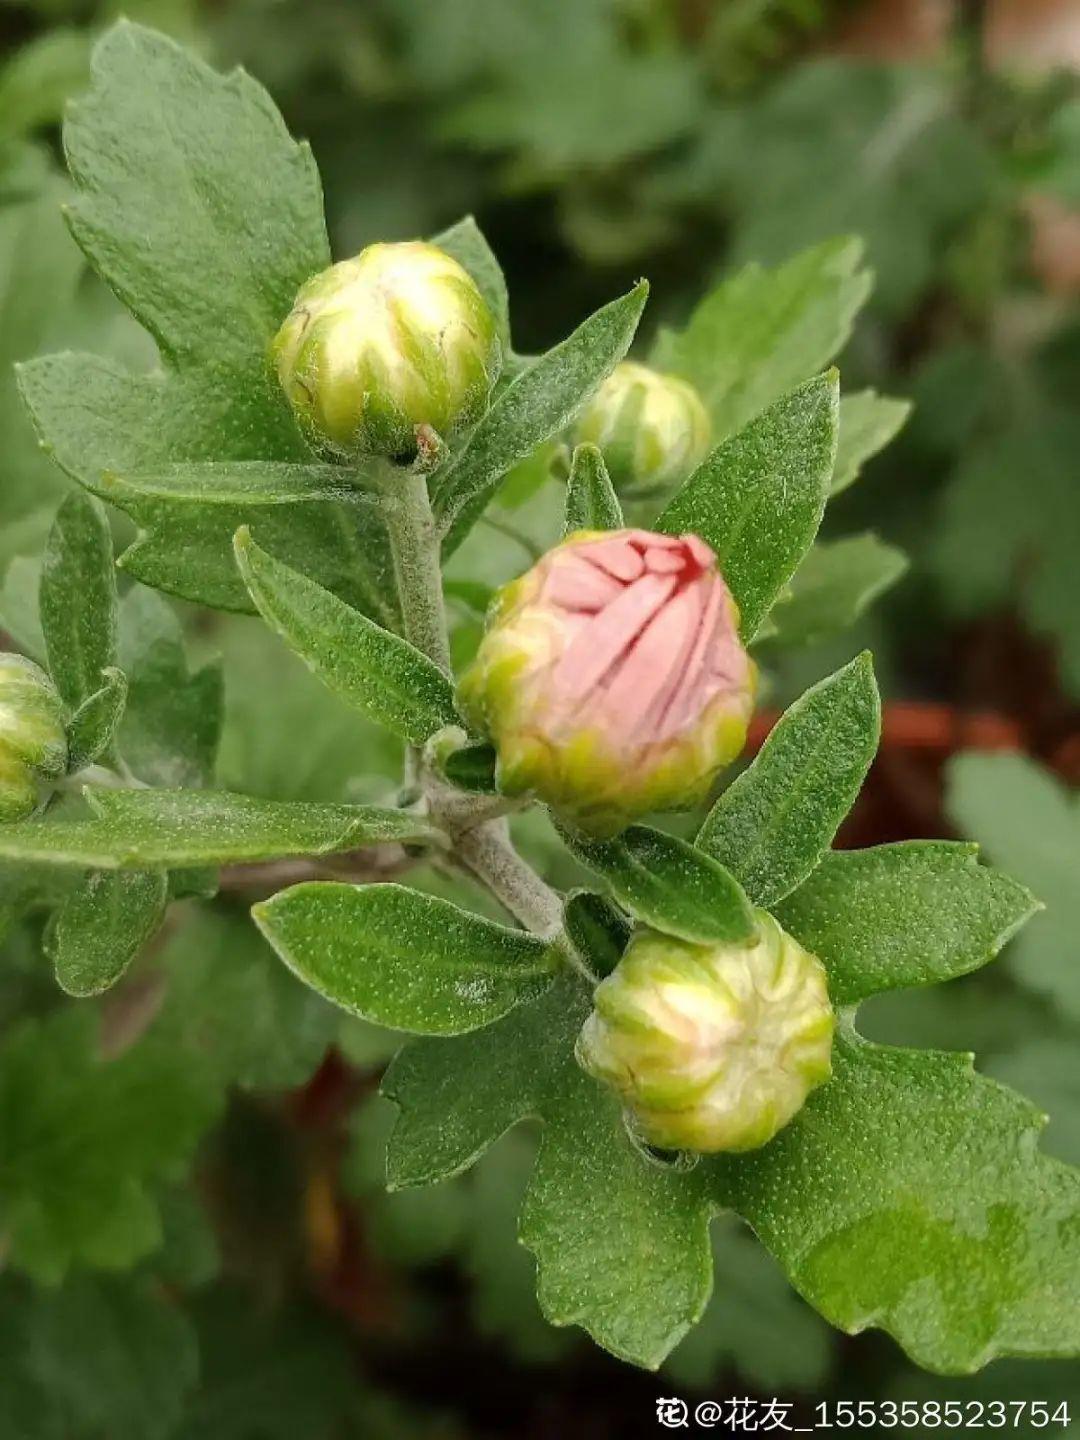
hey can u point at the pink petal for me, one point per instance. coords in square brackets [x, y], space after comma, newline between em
[574, 584]
[615, 556]
[607, 636]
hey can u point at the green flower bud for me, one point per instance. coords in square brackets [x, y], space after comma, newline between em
[712, 1047]
[32, 738]
[377, 347]
[612, 679]
[652, 429]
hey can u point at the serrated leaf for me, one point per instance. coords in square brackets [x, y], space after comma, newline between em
[539, 403]
[402, 959]
[777, 819]
[83, 1139]
[759, 497]
[762, 332]
[94, 723]
[172, 721]
[102, 925]
[834, 585]
[591, 502]
[1030, 823]
[466, 243]
[140, 829]
[77, 599]
[212, 282]
[670, 885]
[868, 421]
[902, 915]
[949, 1229]
[621, 1243]
[376, 671]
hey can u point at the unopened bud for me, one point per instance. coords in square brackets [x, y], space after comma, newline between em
[32, 739]
[375, 348]
[652, 429]
[611, 679]
[712, 1047]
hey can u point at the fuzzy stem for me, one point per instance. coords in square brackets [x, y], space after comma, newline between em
[414, 540]
[488, 853]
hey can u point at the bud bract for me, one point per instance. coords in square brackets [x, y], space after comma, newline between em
[33, 742]
[712, 1047]
[375, 347]
[611, 678]
[652, 429]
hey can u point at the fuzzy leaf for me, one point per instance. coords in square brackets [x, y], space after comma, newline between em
[837, 581]
[94, 723]
[897, 916]
[77, 599]
[598, 931]
[205, 217]
[762, 332]
[402, 959]
[378, 672]
[538, 404]
[102, 926]
[909, 1194]
[77, 1154]
[1030, 823]
[139, 829]
[245, 482]
[777, 819]
[170, 729]
[759, 497]
[868, 421]
[472, 768]
[591, 502]
[668, 884]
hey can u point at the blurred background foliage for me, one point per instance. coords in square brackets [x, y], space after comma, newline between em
[196, 1235]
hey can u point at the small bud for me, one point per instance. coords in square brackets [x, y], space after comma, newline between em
[32, 738]
[711, 1047]
[397, 340]
[652, 429]
[611, 679]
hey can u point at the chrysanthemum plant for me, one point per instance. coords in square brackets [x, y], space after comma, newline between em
[314, 446]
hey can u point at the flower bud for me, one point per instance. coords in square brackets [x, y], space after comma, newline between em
[652, 429]
[32, 738]
[611, 678]
[712, 1047]
[375, 347]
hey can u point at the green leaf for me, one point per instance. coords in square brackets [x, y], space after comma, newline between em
[833, 586]
[621, 1242]
[113, 1356]
[539, 403]
[668, 884]
[78, 599]
[896, 916]
[402, 959]
[472, 768]
[759, 497]
[84, 1139]
[169, 733]
[466, 243]
[598, 931]
[141, 829]
[949, 1229]
[102, 926]
[378, 672]
[19, 607]
[777, 819]
[762, 332]
[212, 279]
[868, 421]
[244, 482]
[38, 79]
[94, 723]
[591, 502]
[1030, 823]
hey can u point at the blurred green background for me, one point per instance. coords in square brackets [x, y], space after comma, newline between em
[273, 1290]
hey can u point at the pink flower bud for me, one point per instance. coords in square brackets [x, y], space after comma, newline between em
[612, 678]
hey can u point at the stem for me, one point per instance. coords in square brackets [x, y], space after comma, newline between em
[414, 540]
[488, 853]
